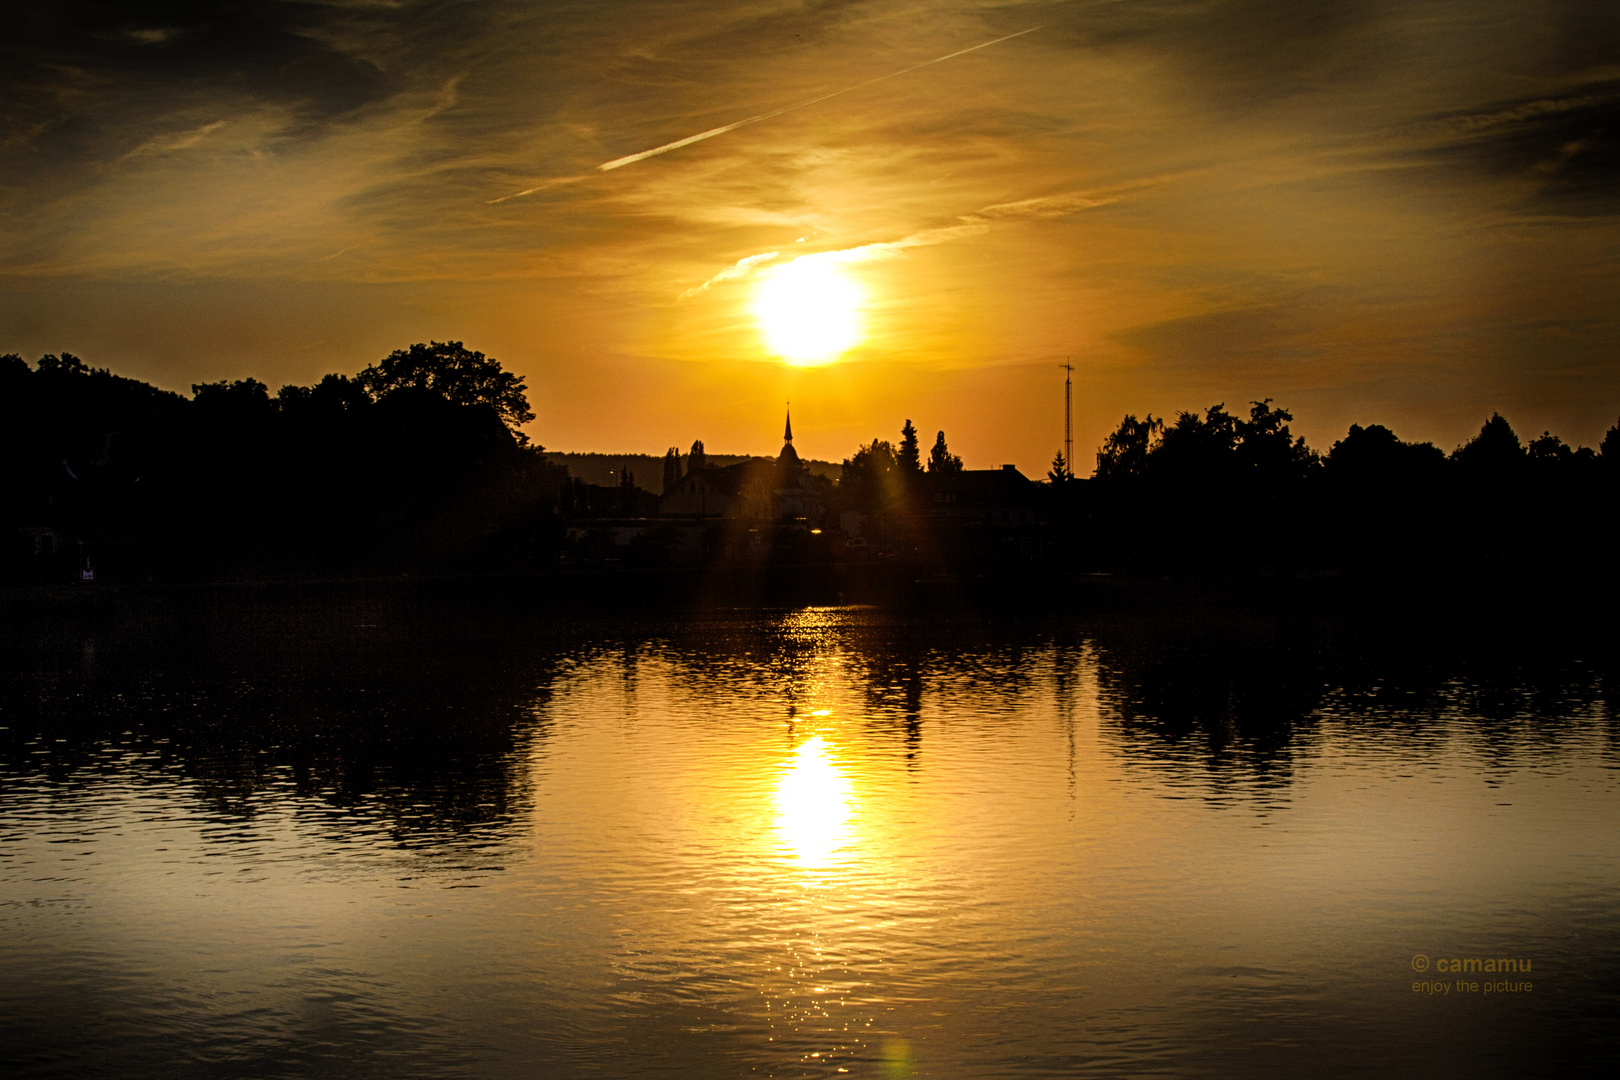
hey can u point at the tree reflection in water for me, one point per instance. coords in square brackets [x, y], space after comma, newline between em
[793, 841]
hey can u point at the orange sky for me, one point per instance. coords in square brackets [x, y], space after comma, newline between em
[1371, 212]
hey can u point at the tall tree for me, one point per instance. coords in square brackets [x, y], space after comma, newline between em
[1060, 472]
[908, 458]
[672, 468]
[463, 376]
[940, 459]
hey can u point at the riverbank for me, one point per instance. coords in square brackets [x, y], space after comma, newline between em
[1464, 595]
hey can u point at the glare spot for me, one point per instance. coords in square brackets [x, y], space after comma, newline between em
[813, 803]
[809, 311]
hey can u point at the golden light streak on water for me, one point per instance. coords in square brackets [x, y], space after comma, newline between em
[814, 802]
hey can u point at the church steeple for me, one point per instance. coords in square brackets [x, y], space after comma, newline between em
[788, 456]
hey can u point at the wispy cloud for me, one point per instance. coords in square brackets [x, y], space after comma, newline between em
[1046, 206]
[631, 159]
[335, 254]
[973, 224]
[892, 249]
[741, 268]
[1470, 123]
[177, 140]
[156, 35]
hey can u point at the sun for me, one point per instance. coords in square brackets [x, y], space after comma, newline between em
[809, 311]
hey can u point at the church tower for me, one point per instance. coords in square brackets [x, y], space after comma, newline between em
[788, 456]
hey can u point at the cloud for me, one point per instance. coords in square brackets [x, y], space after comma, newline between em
[156, 35]
[712, 132]
[1386, 154]
[132, 54]
[631, 159]
[1045, 206]
[973, 224]
[892, 249]
[180, 140]
[741, 268]
[335, 254]
[1564, 148]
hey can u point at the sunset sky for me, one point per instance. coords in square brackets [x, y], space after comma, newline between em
[1379, 212]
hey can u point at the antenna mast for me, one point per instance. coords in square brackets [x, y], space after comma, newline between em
[1068, 415]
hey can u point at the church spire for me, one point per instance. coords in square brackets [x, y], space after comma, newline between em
[789, 457]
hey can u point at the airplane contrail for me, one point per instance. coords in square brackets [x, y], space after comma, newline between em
[559, 181]
[630, 159]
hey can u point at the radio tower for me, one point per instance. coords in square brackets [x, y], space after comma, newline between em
[1068, 415]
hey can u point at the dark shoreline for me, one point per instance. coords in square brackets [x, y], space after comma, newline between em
[1462, 597]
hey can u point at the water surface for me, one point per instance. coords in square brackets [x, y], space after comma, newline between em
[358, 840]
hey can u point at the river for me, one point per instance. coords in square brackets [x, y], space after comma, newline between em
[374, 840]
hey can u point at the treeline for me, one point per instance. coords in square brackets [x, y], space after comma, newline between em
[889, 483]
[413, 465]
[417, 464]
[1224, 491]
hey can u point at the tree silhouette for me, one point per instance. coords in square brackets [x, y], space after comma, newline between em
[1495, 451]
[240, 399]
[672, 468]
[908, 457]
[870, 478]
[1197, 446]
[411, 466]
[1548, 448]
[1609, 448]
[461, 375]
[941, 461]
[1374, 457]
[1124, 454]
[334, 394]
[1265, 445]
[66, 364]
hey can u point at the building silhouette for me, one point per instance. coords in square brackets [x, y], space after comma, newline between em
[760, 492]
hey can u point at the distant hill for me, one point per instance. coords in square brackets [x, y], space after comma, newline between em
[648, 470]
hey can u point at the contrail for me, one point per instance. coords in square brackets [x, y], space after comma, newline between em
[558, 182]
[617, 163]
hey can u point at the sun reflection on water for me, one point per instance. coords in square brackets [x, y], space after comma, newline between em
[814, 802]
